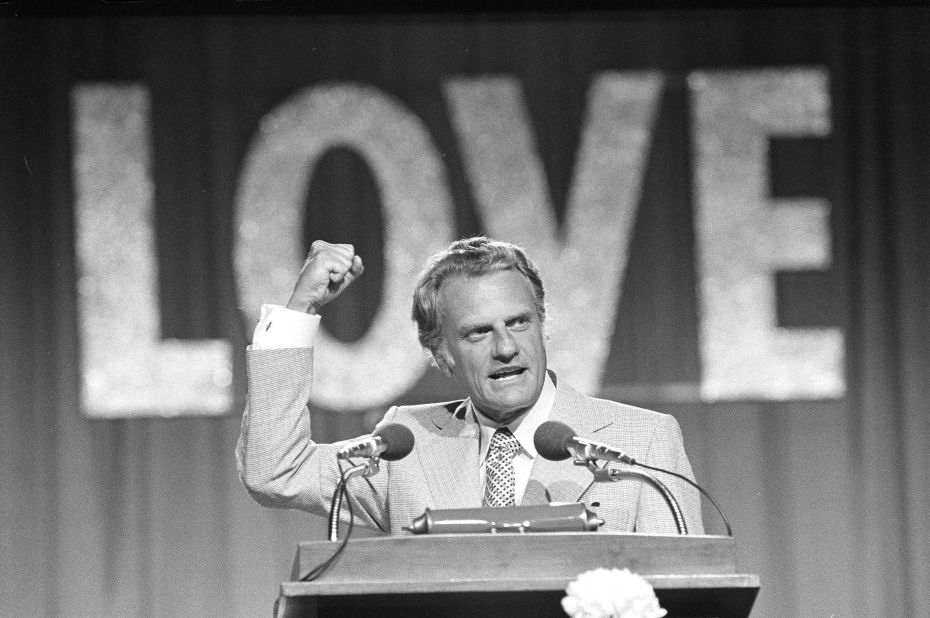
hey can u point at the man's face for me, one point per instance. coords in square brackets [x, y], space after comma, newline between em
[493, 341]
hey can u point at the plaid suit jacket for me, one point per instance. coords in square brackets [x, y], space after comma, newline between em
[282, 467]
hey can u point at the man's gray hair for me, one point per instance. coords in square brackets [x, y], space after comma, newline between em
[469, 257]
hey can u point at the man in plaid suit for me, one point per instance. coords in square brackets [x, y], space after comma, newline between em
[480, 311]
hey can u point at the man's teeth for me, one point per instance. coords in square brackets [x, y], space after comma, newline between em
[506, 373]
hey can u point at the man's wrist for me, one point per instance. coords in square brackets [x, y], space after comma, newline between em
[283, 327]
[303, 306]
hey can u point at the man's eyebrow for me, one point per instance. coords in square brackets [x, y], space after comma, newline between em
[468, 327]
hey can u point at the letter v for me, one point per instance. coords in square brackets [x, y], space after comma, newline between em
[584, 265]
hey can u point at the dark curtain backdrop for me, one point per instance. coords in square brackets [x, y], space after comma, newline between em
[146, 517]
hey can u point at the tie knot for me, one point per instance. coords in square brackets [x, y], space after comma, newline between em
[504, 442]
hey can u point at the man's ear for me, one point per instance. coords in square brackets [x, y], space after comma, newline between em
[442, 360]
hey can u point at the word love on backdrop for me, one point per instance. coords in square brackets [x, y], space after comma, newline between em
[743, 235]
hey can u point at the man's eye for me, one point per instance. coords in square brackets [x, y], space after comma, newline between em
[476, 335]
[520, 323]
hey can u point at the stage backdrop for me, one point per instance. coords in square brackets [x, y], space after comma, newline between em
[730, 209]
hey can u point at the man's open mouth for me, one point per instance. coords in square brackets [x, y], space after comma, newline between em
[508, 372]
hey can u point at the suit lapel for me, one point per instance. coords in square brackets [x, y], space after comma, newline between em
[449, 458]
[562, 481]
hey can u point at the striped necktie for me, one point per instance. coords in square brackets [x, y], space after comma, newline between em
[499, 482]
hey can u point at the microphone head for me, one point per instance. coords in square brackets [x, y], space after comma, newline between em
[550, 439]
[398, 439]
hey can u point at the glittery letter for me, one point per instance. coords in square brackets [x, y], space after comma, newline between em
[127, 370]
[387, 361]
[744, 236]
[584, 266]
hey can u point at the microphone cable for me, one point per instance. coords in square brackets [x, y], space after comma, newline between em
[726, 522]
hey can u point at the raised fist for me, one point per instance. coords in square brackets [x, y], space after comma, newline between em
[329, 268]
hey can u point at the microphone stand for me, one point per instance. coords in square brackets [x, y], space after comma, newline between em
[369, 468]
[612, 475]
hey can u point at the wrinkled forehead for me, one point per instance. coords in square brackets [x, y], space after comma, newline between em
[480, 298]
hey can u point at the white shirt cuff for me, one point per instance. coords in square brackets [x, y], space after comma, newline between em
[280, 327]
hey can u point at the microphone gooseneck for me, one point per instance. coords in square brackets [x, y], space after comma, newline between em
[614, 475]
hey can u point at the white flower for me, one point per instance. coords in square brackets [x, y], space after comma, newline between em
[611, 593]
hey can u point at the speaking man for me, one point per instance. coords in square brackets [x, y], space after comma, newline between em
[480, 311]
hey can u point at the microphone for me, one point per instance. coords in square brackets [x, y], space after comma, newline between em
[557, 441]
[391, 442]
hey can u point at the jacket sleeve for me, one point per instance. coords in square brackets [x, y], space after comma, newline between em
[667, 451]
[278, 462]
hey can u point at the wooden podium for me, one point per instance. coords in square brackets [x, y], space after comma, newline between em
[509, 574]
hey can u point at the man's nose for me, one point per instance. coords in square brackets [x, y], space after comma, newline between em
[505, 346]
